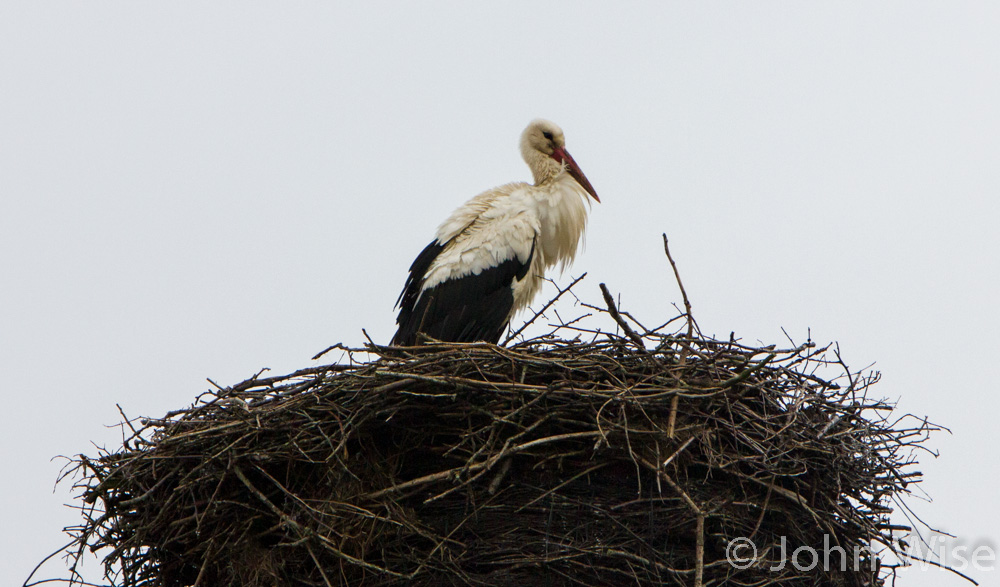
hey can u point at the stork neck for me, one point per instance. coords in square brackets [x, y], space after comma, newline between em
[543, 168]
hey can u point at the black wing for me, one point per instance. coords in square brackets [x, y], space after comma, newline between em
[467, 309]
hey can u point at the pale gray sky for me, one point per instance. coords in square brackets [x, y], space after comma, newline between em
[204, 189]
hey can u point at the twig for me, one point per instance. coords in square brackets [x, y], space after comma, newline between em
[746, 373]
[677, 452]
[613, 310]
[558, 295]
[672, 418]
[699, 551]
[686, 347]
[680, 284]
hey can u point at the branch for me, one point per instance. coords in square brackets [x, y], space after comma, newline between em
[613, 310]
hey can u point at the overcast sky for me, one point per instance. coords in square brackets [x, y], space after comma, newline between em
[194, 190]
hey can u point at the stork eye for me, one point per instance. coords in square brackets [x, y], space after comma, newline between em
[547, 135]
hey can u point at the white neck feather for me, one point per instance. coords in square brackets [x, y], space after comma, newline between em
[562, 215]
[543, 168]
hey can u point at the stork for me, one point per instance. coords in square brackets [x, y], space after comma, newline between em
[488, 259]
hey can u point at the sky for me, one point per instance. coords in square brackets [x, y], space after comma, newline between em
[203, 190]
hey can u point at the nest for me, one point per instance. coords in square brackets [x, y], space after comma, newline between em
[634, 458]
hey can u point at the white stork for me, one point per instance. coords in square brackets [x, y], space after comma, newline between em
[488, 258]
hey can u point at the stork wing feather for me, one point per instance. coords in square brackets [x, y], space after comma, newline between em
[461, 291]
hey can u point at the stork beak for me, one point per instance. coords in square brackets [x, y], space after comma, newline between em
[562, 155]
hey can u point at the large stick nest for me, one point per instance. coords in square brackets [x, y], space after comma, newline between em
[619, 459]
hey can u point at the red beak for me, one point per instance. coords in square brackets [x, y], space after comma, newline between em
[562, 155]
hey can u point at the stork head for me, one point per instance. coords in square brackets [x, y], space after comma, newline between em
[543, 147]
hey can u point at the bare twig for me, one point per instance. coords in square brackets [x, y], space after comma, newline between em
[559, 294]
[680, 284]
[613, 311]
